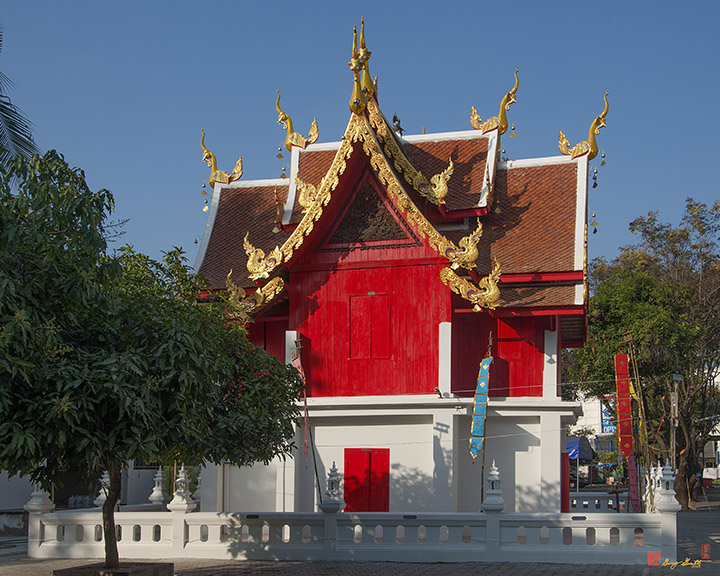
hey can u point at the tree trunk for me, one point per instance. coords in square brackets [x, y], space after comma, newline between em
[112, 559]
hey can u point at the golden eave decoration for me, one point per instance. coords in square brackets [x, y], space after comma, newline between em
[498, 122]
[258, 264]
[467, 253]
[215, 174]
[436, 189]
[485, 295]
[588, 146]
[306, 193]
[295, 138]
[243, 306]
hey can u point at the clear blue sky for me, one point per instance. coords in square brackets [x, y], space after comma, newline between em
[122, 89]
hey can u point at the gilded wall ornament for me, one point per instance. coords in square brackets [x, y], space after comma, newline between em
[498, 122]
[243, 306]
[485, 295]
[588, 146]
[215, 174]
[295, 138]
[258, 264]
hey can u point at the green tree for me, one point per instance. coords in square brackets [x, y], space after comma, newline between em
[15, 130]
[662, 297]
[107, 358]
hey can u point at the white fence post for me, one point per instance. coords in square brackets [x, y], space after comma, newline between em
[331, 505]
[667, 505]
[493, 505]
[38, 505]
[180, 505]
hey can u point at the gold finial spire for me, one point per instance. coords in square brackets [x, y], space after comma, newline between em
[500, 121]
[588, 146]
[357, 100]
[215, 174]
[294, 138]
[364, 55]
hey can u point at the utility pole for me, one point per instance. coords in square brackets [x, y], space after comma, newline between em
[677, 378]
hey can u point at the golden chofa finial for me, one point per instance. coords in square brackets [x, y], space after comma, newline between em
[215, 174]
[295, 138]
[498, 122]
[588, 146]
[364, 54]
[358, 102]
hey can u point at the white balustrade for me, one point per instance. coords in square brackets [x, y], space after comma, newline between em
[577, 537]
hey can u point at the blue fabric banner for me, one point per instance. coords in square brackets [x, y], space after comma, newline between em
[477, 432]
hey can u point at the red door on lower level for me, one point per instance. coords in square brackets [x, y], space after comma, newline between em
[367, 479]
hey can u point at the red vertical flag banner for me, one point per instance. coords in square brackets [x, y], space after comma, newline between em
[624, 410]
[624, 424]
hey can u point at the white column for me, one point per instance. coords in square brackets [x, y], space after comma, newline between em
[444, 358]
[551, 435]
[550, 366]
[290, 338]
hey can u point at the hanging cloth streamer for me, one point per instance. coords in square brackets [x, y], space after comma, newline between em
[477, 432]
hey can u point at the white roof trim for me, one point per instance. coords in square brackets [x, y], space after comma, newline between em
[256, 183]
[212, 213]
[531, 162]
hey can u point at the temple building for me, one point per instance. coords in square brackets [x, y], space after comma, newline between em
[388, 266]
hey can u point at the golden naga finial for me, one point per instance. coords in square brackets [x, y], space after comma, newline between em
[437, 189]
[588, 146]
[306, 193]
[485, 295]
[294, 138]
[496, 122]
[364, 54]
[358, 101]
[467, 254]
[243, 306]
[258, 265]
[215, 174]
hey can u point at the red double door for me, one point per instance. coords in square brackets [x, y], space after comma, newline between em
[367, 479]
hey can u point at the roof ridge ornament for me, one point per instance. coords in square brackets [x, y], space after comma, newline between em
[295, 138]
[588, 146]
[498, 122]
[485, 295]
[368, 87]
[215, 174]
[358, 100]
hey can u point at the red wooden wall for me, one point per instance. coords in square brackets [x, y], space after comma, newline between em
[518, 353]
[369, 331]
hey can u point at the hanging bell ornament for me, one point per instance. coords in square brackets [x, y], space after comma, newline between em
[603, 157]
[512, 132]
[206, 209]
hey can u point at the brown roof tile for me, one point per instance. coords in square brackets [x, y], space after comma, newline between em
[533, 296]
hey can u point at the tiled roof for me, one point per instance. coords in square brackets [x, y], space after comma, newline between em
[531, 224]
[241, 210]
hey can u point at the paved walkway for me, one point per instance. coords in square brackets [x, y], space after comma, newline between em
[695, 527]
